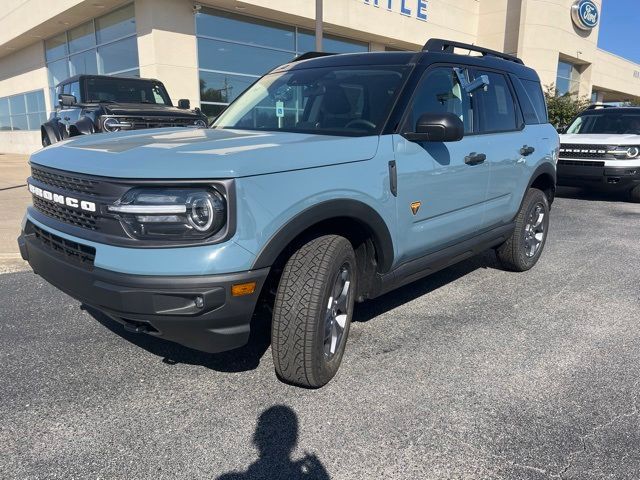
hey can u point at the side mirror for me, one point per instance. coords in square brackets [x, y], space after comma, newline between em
[66, 100]
[561, 130]
[184, 104]
[437, 127]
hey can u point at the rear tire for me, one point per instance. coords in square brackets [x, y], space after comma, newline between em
[634, 194]
[313, 310]
[523, 249]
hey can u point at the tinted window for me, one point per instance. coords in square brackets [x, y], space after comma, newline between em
[118, 56]
[332, 101]
[440, 92]
[237, 58]
[537, 99]
[496, 110]
[604, 122]
[125, 91]
[116, 25]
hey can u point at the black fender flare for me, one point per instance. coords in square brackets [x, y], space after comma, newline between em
[54, 130]
[543, 168]
[84, 126]
[365, 215]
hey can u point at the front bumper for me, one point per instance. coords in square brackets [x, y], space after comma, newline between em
[572, 173]
[195, 311]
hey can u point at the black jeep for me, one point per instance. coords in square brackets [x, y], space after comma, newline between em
[98, 103]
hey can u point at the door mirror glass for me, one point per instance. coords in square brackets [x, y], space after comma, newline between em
[437, 127]
[66, 100]
[184, 104]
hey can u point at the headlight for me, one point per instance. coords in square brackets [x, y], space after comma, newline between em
[200, 123]
[114, 125]
[625, 152]
[172, 213]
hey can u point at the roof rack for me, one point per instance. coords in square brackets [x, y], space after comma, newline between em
[447, 46]
[598, 106]
[310, 55]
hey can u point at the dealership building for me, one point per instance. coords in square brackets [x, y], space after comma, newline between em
[211, 50]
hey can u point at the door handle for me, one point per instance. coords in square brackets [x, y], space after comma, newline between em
[526, 151]
[475, 158]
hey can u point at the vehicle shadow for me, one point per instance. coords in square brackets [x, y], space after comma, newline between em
[249, 356]
[371, 309]
[239, 360]
[576, 193]
[276, 437]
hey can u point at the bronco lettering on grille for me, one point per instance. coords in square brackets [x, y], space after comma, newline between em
[62, 200]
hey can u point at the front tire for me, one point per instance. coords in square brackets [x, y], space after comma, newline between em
[523, 249]
[313, 310]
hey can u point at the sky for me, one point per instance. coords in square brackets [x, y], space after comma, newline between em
[619, 28]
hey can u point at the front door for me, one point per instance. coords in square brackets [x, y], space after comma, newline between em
[441, 193]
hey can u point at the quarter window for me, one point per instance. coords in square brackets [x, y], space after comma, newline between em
[440, 92]
[496, 109]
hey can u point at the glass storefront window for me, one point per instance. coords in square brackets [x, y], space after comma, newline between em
[235, 50]
[115, 25]
[82, 38]
[234, 57]
[56, 47]
[245, 30]
[118, 56]
[568, 78]
[25, 111]
[107, 45]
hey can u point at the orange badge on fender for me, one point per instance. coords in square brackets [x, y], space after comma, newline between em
[415, 206]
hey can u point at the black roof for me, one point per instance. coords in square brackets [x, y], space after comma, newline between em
[77, 78]
[489, 59]
[612, 111]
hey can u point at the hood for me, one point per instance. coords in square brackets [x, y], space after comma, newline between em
[185, 153]
[600, 139]
[150, 110]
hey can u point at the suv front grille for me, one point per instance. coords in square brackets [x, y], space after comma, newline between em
[66, 182]
[66, 215]
[580, 163]
[139, 123]
[78, 253]
[585, 151]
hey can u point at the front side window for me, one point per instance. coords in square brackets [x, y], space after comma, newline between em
[440, 92]
[496, 108]
[332, 101]
[126, 91]
[606, 123]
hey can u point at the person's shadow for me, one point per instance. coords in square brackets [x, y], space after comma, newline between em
[276, 437]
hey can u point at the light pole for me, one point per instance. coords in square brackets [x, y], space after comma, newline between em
[318, 25]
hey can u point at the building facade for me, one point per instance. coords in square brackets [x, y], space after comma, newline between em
[209, 51]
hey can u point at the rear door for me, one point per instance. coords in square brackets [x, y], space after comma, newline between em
[500, 126]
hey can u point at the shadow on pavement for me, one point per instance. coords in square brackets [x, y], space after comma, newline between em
[248, 357]
[240, 360]
[275, 438]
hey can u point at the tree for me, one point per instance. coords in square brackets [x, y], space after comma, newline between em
[563, 108]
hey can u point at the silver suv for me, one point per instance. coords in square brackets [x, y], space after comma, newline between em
[601, 150]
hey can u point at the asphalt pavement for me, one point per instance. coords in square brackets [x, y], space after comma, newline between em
[471, 373]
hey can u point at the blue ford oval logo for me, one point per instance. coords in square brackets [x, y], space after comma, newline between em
[585, 14]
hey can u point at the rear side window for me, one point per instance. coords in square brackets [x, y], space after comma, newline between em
[496, 109]
[534, 92]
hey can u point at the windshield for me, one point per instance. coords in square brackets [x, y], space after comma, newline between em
[122, 90]
[329, 100]
[607, 123]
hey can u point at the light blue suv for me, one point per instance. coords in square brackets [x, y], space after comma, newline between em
[332, 180]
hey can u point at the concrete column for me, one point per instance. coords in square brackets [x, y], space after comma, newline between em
[167, 46]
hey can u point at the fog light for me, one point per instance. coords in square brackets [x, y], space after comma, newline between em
[243, 289]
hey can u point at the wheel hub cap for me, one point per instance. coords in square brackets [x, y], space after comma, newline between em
[337, 312]
[534, 231]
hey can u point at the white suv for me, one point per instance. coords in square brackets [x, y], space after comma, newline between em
[601, 150]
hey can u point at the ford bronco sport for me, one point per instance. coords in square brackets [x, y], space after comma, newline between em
[330, 181]
[601, 151]
[99, 103]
